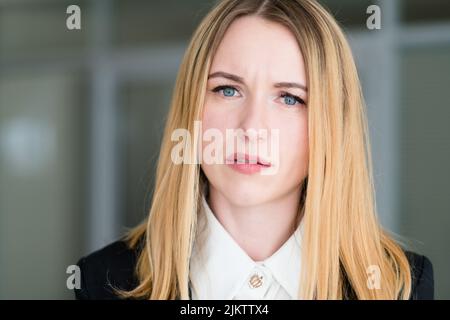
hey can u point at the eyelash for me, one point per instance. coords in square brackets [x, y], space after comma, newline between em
[297, 98]
[283, 94]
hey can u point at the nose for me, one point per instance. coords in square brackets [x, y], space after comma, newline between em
[253, 119]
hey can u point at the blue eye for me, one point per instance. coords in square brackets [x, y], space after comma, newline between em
[227, 91]
[291, 100]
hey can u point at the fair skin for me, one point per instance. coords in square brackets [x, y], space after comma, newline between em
[258, 210]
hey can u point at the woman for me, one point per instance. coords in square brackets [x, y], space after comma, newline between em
[295, 222]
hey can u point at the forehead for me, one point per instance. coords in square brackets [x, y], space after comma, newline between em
[253, 45]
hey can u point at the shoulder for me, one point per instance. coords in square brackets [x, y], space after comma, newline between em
[422, 277]
[422, 281]
[107, 269]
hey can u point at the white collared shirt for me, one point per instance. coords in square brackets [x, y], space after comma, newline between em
[221, 269]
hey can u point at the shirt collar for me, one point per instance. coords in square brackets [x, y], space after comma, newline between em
[219, 266]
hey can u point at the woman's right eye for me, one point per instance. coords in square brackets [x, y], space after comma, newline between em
[226, 91]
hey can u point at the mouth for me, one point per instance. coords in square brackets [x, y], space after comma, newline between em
[247, 164]
[241, 158]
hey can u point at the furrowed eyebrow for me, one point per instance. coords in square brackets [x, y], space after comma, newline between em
[291, 85]
[238, 79]
[221, 74]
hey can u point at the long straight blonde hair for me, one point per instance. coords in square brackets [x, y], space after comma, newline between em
[342, 237]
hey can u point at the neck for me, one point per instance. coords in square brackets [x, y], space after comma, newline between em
[259, 230]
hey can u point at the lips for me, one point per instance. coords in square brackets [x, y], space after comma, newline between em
[246, 164]
[241, 158]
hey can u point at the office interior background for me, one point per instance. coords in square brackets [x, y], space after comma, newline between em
[82, 113]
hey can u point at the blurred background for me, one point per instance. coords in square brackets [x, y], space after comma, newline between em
[82, 112]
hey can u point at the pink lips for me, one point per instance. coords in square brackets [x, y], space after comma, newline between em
[246, 164]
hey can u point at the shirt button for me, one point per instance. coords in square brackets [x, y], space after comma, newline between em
[256, 281]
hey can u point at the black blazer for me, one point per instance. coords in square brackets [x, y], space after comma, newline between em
[113, 267]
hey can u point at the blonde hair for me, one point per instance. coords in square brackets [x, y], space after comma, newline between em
[342, 236]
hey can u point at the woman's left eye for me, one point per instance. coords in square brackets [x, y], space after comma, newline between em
[291, 100]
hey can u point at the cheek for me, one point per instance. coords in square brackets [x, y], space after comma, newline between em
[294, 147]
[208, 118]
[214, 122]
[215, 118]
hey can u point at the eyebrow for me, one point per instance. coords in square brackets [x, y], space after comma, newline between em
[238, 79]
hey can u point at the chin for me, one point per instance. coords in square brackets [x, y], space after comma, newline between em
[245, 193]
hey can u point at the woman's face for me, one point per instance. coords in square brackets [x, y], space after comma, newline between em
[257, 81]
